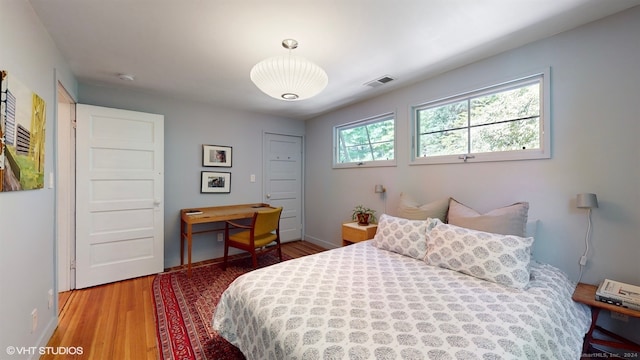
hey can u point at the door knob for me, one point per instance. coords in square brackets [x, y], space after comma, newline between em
[268, 196]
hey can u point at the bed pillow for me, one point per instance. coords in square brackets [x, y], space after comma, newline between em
[410, 209]
[508, 220]
[503, 259]
[402, 236]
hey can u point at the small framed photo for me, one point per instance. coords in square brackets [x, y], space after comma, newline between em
[215, 182]
[215, 155]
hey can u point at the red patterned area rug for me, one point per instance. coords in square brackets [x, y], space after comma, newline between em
[184, 308]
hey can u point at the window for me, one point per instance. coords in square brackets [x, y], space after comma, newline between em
[503, 122]
[368, 142]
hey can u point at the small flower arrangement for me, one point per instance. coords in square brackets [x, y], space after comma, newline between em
[363, 215]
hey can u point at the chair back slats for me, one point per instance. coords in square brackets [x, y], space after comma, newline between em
[267, 221]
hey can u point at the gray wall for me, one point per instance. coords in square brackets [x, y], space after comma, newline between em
[188, 125]
[595, 120]
[27, 223]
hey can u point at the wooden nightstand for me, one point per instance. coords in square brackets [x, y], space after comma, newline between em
[353, 233]
[586, 294]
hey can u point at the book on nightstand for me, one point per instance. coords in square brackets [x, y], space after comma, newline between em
[620, 294]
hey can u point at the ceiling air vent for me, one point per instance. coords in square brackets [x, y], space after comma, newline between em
[379, 82]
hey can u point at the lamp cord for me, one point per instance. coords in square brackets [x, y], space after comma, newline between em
[586, 245]
[384, 198]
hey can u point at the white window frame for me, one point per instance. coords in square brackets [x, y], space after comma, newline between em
[362, 122]
[544, 152]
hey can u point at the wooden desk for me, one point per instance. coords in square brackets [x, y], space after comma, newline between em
[211, 215]
[586, 294]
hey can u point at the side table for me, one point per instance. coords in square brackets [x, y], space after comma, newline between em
[586, 294]
[353, 233]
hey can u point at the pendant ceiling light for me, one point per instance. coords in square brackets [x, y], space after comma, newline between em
[289, 77]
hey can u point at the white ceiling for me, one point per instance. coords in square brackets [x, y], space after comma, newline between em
[204, 49]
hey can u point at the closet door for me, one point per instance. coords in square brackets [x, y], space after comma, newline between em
[119, 195]
[283, 158]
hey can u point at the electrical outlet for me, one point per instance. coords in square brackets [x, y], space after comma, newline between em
[50, 302]
[34, 320]
[619, 317]
[220, 237]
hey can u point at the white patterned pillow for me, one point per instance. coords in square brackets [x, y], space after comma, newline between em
[402, 236]
[503, 259]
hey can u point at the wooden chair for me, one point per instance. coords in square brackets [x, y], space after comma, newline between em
[263, 230]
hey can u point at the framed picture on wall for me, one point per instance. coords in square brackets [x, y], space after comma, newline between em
[216, 155]
[22, 136]
[215, 182]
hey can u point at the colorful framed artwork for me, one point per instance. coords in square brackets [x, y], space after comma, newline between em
[214, 182]
[22, 136]
[216, 155]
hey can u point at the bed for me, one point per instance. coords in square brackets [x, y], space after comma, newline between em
[371, 301]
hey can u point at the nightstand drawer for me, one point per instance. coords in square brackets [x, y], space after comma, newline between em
[353, 233]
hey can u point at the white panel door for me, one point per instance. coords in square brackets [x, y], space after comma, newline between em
[283, 181]
[119, 195]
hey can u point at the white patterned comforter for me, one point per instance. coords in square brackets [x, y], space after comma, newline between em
[360, 302]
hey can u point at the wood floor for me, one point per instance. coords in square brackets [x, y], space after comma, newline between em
[117, 321]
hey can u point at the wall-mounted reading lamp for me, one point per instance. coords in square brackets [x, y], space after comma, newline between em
[586, 201]
[380, 189]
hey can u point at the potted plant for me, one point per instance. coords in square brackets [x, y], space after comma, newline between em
[363, 215]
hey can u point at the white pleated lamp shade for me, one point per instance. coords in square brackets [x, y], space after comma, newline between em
[289, 77]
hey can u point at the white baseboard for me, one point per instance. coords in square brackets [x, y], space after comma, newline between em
[320, 242]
